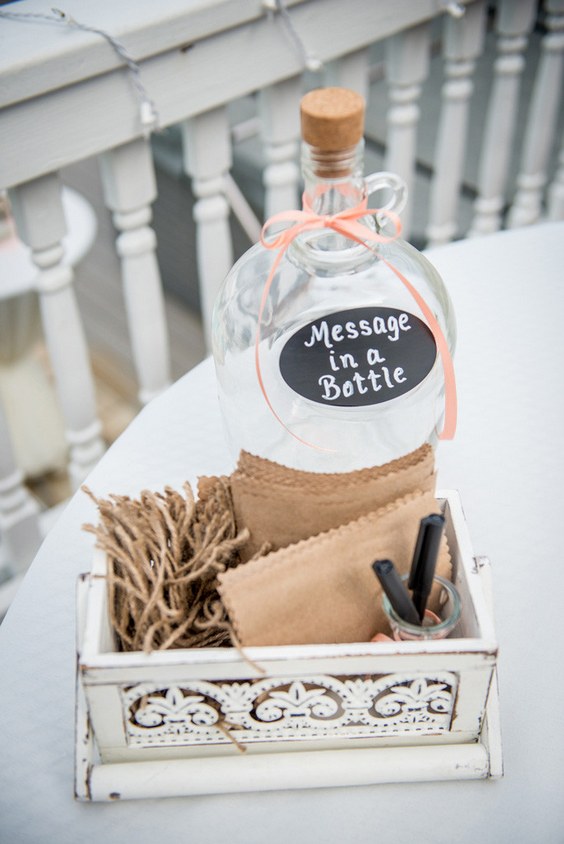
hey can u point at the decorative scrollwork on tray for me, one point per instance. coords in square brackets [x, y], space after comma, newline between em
[175, 711]
[418, 701]
[297, 702]
[274, 708]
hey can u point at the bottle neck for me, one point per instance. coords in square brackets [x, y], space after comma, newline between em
[333, 181]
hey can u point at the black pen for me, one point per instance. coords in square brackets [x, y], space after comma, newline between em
[425, 561]
[395, 590]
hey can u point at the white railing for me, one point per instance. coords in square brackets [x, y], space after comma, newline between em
[91, 84]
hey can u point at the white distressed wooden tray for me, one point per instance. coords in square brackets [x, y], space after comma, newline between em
[163, 724]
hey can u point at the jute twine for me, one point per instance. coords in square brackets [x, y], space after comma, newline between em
[164, 552]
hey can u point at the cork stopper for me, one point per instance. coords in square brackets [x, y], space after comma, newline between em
[332, 118]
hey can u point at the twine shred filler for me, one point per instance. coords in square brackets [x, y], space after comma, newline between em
[164, 553]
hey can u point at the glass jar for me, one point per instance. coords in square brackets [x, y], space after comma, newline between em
[435, 625]
[327, 363]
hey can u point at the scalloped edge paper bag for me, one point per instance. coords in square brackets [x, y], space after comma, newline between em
[281, 506]
[323, 589]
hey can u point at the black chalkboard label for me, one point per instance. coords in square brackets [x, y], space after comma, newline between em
[358, 357]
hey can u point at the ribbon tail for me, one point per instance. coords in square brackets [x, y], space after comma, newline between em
[451, 402]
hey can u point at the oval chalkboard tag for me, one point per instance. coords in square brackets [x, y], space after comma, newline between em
[358, 357]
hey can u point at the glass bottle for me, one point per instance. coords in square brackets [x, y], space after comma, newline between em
[328, 364]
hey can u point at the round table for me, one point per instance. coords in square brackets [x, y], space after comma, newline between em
[506, 461]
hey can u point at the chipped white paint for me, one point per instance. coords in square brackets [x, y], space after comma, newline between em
[180, 712]
[280, 709]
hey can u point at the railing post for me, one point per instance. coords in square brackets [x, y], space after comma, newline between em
[279, 112]
[207, 157]
[130, 188]
[462, 44]
[407, 67]
[541, 122]
[350, 71]
[40, 221]
[514, 21]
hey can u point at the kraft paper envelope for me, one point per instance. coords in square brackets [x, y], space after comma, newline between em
[280, 506]
[323, 589]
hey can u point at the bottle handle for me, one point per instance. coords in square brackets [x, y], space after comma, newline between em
[394, 185]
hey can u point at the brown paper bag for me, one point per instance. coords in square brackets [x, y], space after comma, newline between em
[323, 589]
[281, 506]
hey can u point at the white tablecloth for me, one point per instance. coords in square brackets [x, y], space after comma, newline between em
[507, 462]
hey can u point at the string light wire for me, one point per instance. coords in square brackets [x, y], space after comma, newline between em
[148, 113]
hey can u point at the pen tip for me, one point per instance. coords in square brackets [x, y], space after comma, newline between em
[382, 566]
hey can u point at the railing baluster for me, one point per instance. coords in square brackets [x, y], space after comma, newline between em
[350, 71]
[462, 44]
[514, 21]
[19, 512]
[407, 67]
[207, 157]
[280, 130]
[541, 122]
[130, 188]
[39, 216]
[556, 191]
